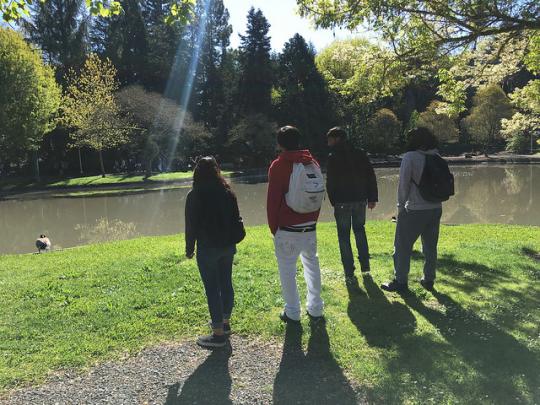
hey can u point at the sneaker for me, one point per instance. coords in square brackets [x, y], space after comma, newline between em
[226, 328]
[212, 340]
[428, 285]
[366, 271]
[283, 316]
[315, 318]
[395, 286]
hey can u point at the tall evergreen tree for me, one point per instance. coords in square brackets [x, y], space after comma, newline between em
[123, 39]
[256, 81]
[60, 29]
[302, 98]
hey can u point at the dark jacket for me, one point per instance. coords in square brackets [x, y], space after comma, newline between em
[350, 176]
[211, 211]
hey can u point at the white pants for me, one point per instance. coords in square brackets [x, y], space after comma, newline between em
[290, 245]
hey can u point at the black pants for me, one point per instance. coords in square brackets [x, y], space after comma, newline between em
[215, 266]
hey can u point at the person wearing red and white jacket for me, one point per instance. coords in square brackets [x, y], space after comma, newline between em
[294, 233]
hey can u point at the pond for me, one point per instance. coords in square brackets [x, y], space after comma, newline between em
[505, 194]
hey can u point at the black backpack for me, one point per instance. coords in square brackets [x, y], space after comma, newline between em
[437, 182]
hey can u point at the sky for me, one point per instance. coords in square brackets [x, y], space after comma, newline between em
[284, 20]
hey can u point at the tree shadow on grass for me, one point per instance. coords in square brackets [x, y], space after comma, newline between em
[381, 322]
[508, 372]
[314, 377]
[209, 384]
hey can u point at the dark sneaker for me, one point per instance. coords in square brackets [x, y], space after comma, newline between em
[315, 318]
[226, 328]
[283, 316]
[366, 270]
[212, 341]
[395, 286]
[428, 285]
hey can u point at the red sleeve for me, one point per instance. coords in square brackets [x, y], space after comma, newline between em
[274, 197]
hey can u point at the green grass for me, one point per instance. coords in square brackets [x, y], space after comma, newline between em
[476, 340]
[95, 181]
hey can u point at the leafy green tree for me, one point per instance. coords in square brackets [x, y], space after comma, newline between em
[383, 134]
[29, 98]
[254, 138]
[443, 126]
[60, 29]
[420, 27]
[90, 108]
[301, 95]
[490, 106]
[361, 75]
[257, 76]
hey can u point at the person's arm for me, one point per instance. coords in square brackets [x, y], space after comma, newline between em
[191, 223]
[331, 179]
[405, 178]
[372, 189]
[274, 198]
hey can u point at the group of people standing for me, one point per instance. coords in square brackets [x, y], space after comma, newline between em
[295, 192]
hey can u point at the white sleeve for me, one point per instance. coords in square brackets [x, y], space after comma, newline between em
[405, 178]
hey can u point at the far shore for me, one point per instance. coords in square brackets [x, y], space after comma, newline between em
[121, 183]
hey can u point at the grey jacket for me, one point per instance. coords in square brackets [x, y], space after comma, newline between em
[410, 172]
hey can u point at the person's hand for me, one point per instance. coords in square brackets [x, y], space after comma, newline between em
[371, 205]
[190, 255]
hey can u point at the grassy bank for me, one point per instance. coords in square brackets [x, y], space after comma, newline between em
[94, 181]
[476, 340]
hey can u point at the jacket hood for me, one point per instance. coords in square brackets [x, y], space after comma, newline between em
[297, 156]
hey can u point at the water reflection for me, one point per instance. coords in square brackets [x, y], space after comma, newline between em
[484, 194]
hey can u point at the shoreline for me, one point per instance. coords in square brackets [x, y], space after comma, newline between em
[138, 187]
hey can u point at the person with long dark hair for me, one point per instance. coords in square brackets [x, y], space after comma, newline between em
[212, 221]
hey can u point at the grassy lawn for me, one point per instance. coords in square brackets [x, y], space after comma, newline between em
[93, 181]
[476, 340]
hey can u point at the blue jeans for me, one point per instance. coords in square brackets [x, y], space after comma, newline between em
[354, 214]
[411, 225]
[215, 266]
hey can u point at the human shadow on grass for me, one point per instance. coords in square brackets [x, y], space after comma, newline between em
[381, 322]
[209, 384]
[507, 369]
[314, 377]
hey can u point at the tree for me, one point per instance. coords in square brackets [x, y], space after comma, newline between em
[483, 123]
[420, 27]
[361, 75]
[29, 98]
[301, 95]
[256, 80]
[254, 137]
[89, 107]
[383, 132]
[60, 29]
[441, 125]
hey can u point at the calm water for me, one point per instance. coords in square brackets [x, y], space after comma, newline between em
[508, 194]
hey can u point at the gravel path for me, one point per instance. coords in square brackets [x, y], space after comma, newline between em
[246, 372]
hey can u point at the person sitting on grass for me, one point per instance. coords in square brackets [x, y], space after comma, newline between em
[417, 216]
[293, 211]
[352, 187]
[211, 218]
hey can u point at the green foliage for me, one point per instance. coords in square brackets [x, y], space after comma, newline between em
[89, 107]
[532, 59]
[29, 97]
[256, 69]
[453, 92]
[521, 131]
[490, 106]
[441, 125]
[254, 137]
[384, 131]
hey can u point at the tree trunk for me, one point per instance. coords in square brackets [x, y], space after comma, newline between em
[80, 161]
[148, 171]
[101, 163]
[36, 166]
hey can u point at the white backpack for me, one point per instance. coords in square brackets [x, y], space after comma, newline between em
[306, 188]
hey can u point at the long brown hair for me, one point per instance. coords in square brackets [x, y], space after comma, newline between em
[207, 172]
